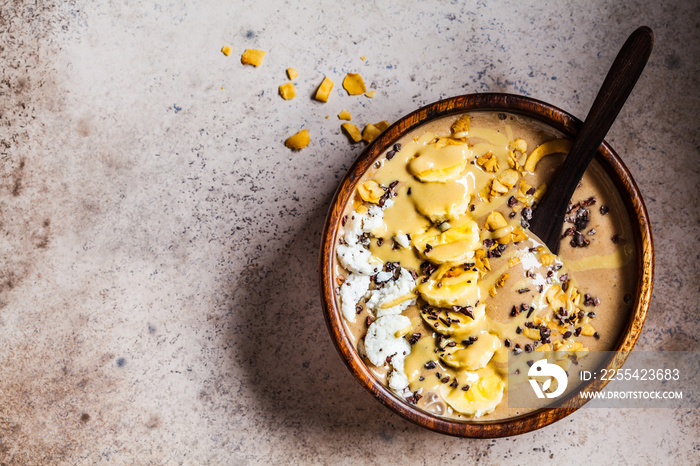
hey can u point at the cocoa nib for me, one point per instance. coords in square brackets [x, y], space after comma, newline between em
[584, 203]
[604, 209]
[413, 339]
[583, 218]
[426, 268]
[579, 241]
[589, 300]
[466, 310]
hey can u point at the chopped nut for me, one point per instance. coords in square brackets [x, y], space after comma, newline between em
[354, 84]
[324, 89]
[287, 91]
[253, 57]
[299, 140]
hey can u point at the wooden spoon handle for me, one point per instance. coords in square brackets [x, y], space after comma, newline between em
[548, 217]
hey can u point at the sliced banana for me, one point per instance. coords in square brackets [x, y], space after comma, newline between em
[439, 164]
[451, 286]
[470, 355]
[444, 201]
[481, 398]
[455, 245]
[455, 324]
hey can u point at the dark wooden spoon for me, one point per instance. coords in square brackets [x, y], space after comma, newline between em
[548, 217]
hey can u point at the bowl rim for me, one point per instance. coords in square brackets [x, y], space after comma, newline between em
[569, 126]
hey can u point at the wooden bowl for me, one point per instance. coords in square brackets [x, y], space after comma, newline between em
[569, 126]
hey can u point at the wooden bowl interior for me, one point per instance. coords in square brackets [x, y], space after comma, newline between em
[558, 120]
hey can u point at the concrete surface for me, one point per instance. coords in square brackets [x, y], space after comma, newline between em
[159, 243]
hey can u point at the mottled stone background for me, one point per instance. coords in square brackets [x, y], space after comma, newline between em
[158, 290]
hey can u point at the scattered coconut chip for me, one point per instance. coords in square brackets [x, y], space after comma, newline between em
[370, 94]
[287, 91]
[253, 57]
[324, 90]
[502, 280]
[508, 177]
[547, 259]
[362, 58]
[371, 131]
[299, 140]
[495, 221]
[550, 147]
[226, 50]
[352, 131]
[488, 162]
[354, 84]
[344, 115]
[370, 191]
[461, 125]
[292, 73]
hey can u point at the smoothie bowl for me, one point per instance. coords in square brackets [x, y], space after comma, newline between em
[431, 280]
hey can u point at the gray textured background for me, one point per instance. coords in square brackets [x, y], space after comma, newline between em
[158, 297]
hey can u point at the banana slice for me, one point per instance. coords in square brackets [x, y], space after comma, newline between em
[451, 286]
[470, 354]
[454, 246]
[444, 201]
[481, 398]
[460, 324]
[439, 164]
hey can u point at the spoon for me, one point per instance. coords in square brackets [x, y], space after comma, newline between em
[548, 217]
